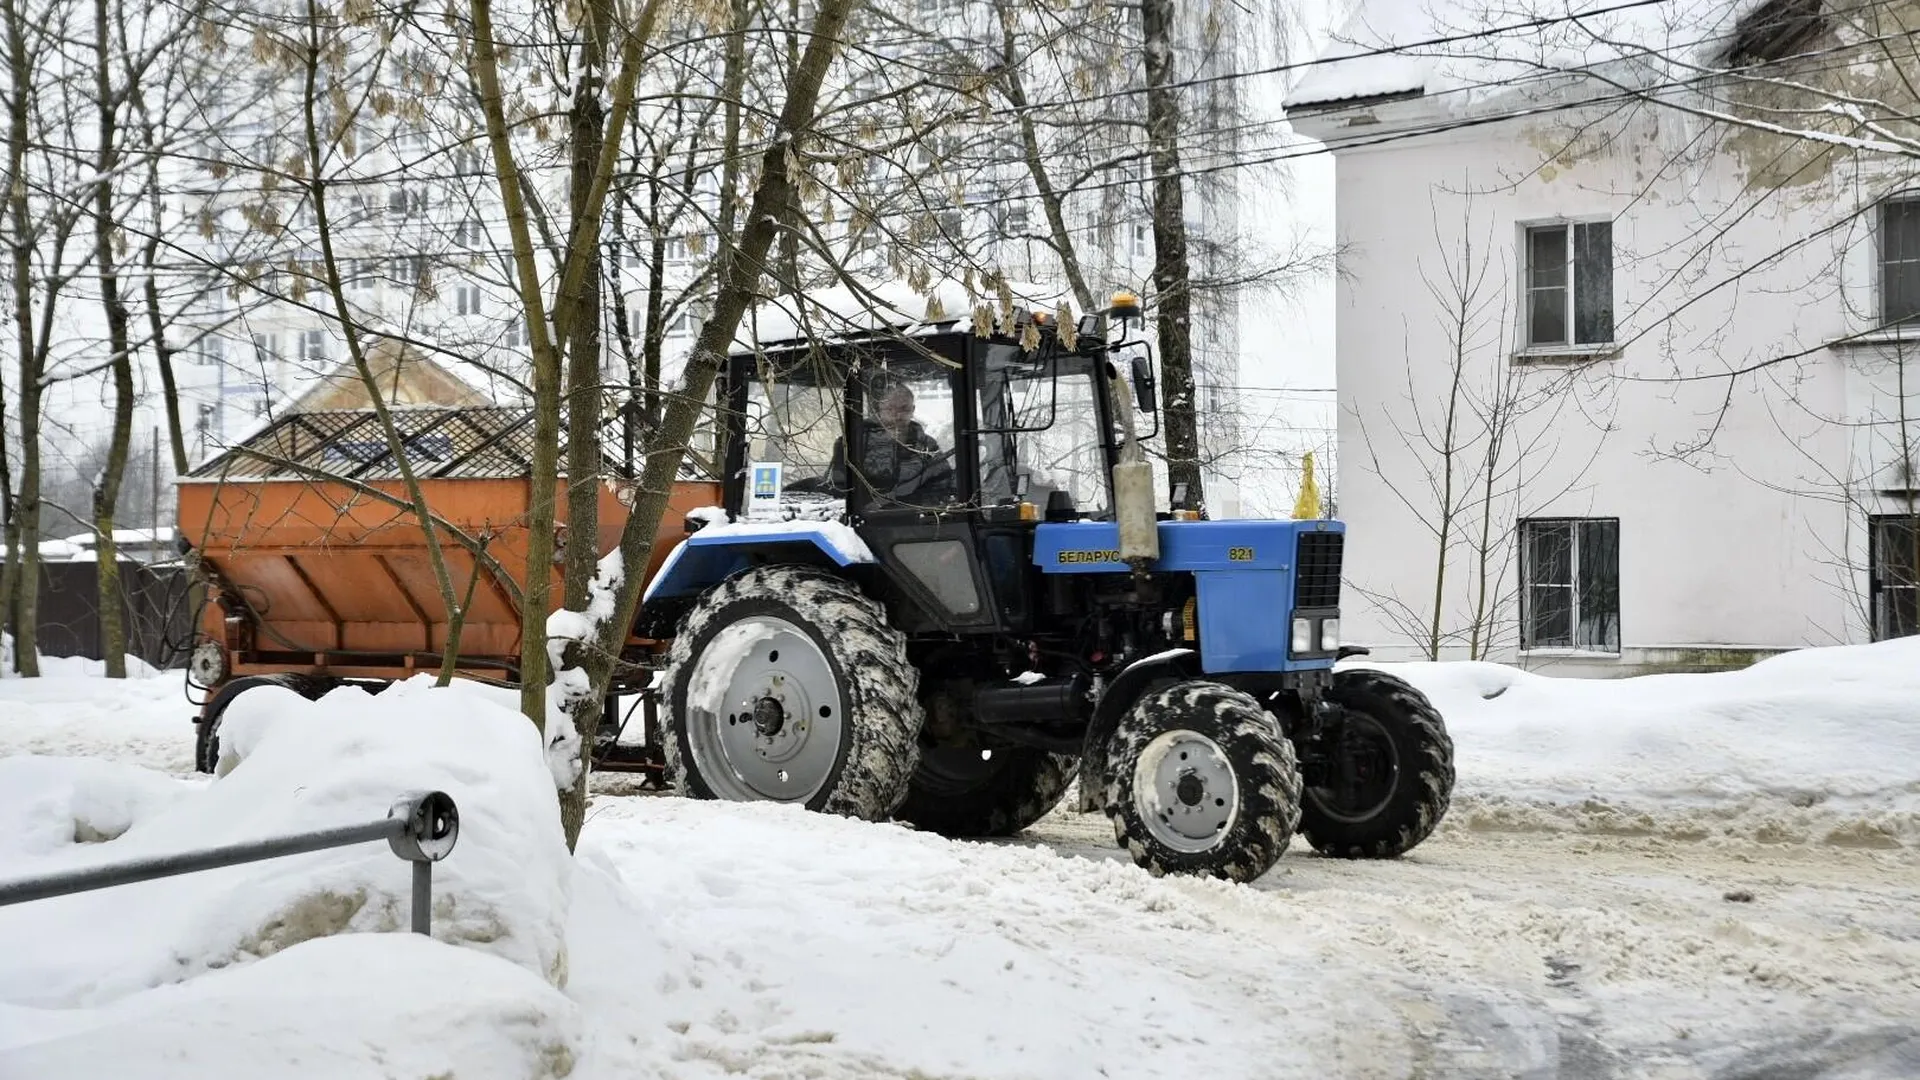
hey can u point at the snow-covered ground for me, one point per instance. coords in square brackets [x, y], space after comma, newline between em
[1673, 877]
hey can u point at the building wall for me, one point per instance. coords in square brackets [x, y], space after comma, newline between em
[1740, 506]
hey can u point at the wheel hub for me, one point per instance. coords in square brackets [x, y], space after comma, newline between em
[768, 716]
[1185, 791]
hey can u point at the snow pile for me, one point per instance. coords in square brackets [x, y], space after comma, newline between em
[825, 314]
[144, 720]
[840, 538]
[1466, 52]
[340, 1008]
[289, 766]
[1819, 744]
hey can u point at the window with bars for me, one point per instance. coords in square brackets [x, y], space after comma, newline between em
[1900, 259]
[1893, 543]
[1570, 584]
[1569, 284]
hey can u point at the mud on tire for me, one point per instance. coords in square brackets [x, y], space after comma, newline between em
[1200, 779]
[1401, 781]
[957, 793]
[855, 758]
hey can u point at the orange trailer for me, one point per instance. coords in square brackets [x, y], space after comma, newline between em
[317, 570]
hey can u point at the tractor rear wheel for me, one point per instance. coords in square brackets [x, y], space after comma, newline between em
[1201, 780]
[1387, 776]
[966, 791]
[786, 684]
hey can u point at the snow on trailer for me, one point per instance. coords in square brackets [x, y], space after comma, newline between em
[318, 571]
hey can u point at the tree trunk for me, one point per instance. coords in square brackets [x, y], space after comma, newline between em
[581, 330]
[25, 533]
[775, 201]
[106, 491]
[350, 331]
[1173, 294]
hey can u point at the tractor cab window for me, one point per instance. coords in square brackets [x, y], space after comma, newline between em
[903, 445]
[794, 416]
[1040, 421]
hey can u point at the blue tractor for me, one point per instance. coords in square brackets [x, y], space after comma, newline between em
[942, 593]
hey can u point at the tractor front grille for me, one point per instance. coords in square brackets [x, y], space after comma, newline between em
[1316, 579]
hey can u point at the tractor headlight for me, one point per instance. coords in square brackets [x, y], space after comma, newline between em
[1302, 640]
[1330, 635]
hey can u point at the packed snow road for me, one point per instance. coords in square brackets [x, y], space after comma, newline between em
[1697, 877]
[1544, 953]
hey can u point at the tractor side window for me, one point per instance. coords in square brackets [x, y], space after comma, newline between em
[797, 424]
[1051, 437]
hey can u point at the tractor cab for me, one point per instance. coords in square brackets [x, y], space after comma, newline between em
[946, 449]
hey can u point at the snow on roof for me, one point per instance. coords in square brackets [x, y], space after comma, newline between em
[1494, 49]
[844, 311]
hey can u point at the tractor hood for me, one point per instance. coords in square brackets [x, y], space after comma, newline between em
[1093, 547]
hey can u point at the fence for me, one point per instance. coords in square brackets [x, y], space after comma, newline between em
[420, 827]
[157, 609]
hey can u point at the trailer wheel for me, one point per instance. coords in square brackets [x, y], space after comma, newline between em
[786, 683]
[206, 741]
[1388, 777]
[967, 791]
[1201, 780]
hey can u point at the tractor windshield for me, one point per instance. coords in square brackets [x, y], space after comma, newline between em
[1041, 420]
[794, 416]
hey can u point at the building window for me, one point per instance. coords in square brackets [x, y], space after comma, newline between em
[313, 345]
[516, 337]
[211, 350]
[1142, 241]
[1570, 284]
[1900, 259]
[364, 274]
[1570, 584]
[407, 201]
[467, 299]
[1893, 552]
[1016, 224]
[467, 233]
[266, 352]
[675, 250]
[684, 324]
[407, 269]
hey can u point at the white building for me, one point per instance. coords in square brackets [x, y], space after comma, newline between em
[1675, 335]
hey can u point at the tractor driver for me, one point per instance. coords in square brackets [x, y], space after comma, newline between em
[899, 460]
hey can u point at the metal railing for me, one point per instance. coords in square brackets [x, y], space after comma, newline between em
[421, 827]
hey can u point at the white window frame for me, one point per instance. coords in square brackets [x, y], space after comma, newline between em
[1882, 316]
[1570, 313]
[466, 299]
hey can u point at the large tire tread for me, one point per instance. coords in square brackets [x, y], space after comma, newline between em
[1263, 761]
[884, 714]
[1012, 799]
[1426, 755]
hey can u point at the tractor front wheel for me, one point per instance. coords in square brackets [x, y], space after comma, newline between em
[1201, 780]
[1385, 774]
[786, 684]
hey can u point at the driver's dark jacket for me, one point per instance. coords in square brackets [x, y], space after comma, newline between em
[912, 467]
